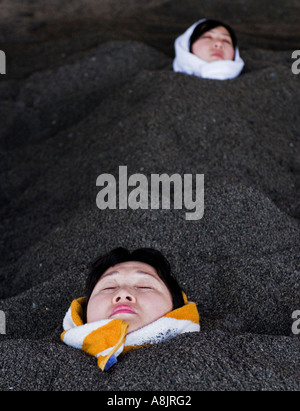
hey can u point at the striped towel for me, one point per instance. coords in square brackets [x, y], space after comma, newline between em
[107, 339]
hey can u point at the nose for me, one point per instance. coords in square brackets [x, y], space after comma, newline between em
[218, 44]
[124, 296]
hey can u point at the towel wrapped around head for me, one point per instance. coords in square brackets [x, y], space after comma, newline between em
[188, 63]
[107, 339]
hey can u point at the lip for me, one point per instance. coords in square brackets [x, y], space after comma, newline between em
[125, 309]
[218, 54]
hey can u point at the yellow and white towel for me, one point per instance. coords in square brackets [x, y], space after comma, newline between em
[107, 339]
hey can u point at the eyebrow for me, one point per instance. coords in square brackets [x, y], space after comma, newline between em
[222, 34]
[136, 272]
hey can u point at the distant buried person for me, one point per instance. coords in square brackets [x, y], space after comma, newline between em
[209, 50]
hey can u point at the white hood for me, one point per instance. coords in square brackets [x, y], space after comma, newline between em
[186, 62]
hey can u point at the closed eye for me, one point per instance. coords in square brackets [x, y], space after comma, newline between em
[109, 289]
[145, 288]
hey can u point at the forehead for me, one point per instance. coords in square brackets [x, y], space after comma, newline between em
[219, 30]
[131, 267]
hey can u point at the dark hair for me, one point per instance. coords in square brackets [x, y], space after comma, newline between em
[144, 255]
[207, 26]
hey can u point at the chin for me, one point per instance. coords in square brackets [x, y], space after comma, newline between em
[133, 328]
[216, 59]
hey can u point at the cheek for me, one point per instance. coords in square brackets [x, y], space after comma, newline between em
[229, 54]
[97, 309]
[156, 306]
[199, 48]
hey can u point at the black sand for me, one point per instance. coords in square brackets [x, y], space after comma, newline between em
[87, 92]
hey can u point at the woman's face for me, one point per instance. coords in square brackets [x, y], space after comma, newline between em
[132, 292]
[214, 45]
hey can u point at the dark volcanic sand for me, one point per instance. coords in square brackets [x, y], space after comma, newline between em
[89, 88]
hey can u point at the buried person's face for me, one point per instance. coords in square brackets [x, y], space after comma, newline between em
[132, 292]
[214, 45]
